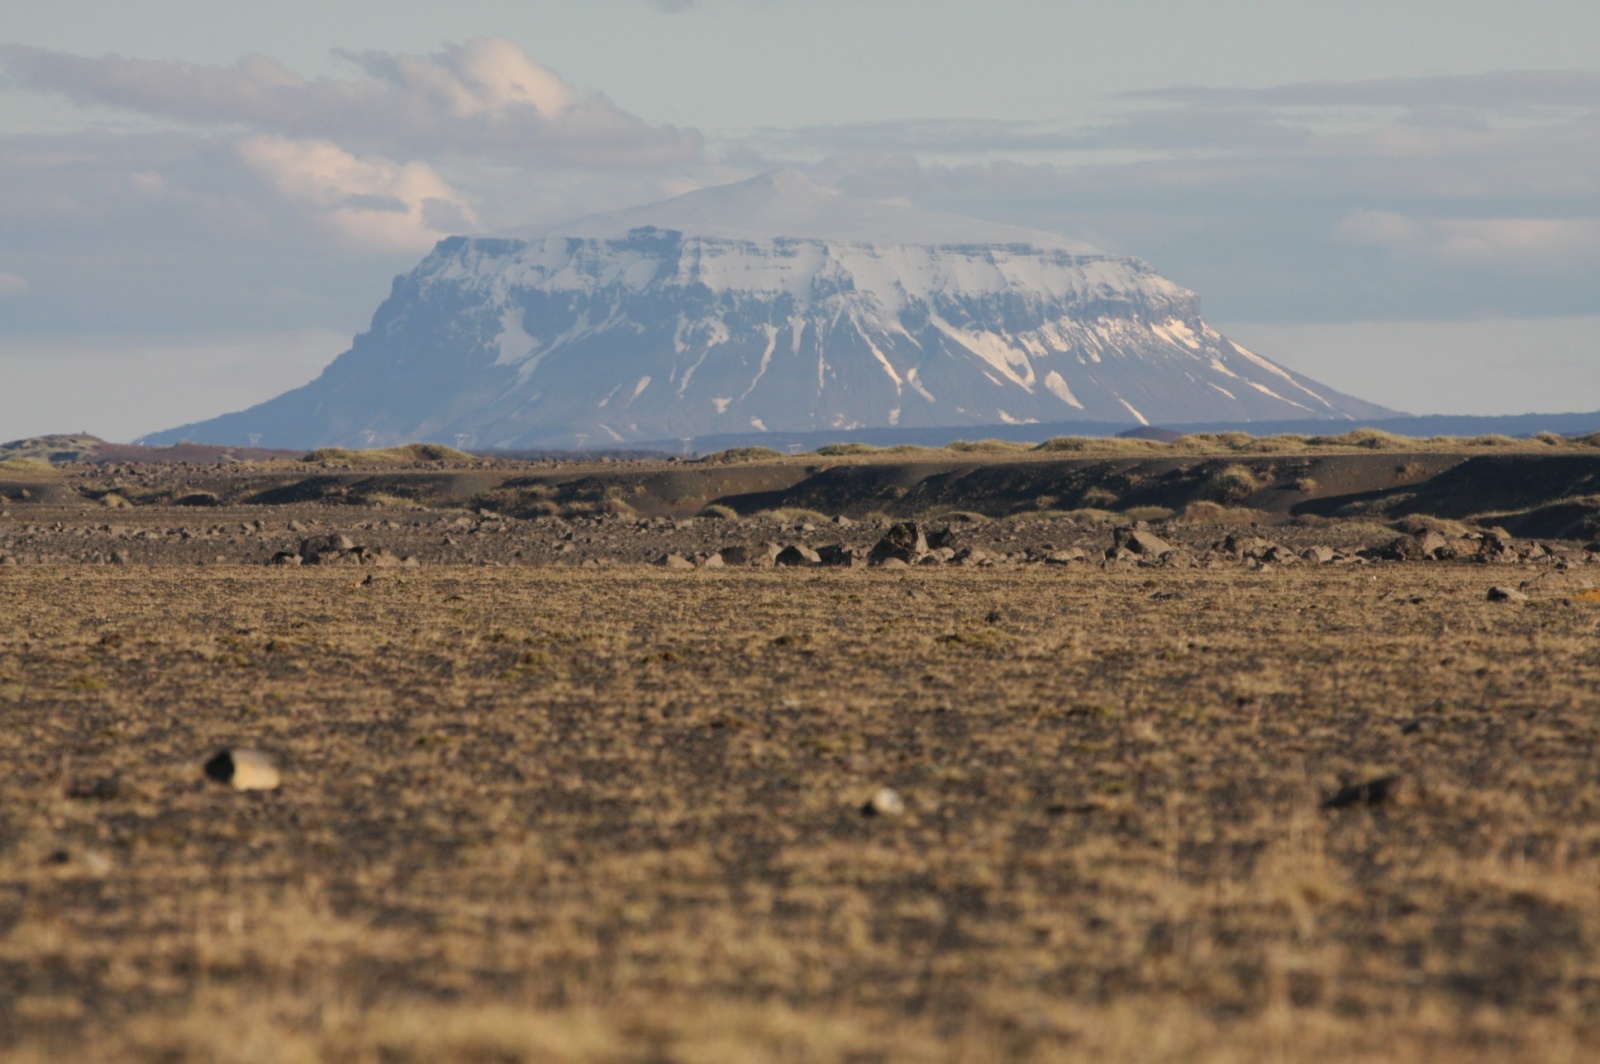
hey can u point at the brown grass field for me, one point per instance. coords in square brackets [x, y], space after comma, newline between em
[614, 815]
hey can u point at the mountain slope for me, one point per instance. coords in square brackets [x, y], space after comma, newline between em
[772, 304]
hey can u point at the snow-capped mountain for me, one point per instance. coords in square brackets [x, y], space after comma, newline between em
[771, 304]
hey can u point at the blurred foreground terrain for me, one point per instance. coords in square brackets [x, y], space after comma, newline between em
[1218, 756]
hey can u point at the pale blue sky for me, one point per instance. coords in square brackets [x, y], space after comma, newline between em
[743, 63]
[1349, 186]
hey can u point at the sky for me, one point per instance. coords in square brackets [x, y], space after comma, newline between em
[200, 204]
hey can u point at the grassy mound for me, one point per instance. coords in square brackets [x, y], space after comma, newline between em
[403, 455]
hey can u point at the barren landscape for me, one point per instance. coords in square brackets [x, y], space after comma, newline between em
[1116, 750]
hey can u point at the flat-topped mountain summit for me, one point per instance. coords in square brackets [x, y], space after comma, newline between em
[771, 304]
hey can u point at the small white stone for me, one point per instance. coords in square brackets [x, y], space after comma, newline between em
[244, 769]
[885, 801]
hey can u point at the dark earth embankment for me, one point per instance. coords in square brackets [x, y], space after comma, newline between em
[1551, 494]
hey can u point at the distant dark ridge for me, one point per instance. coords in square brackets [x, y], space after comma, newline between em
[1421, 426]
[796, 442]
[632, 455]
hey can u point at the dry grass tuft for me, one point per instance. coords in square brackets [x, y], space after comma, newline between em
[25, 465]
[740, 455]
[408, 454]
[989, 447]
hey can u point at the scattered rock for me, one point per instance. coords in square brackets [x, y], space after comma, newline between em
[797, 554]
[120, 557]
[1431, 545]
[762, 556]
[1558, 580]
[1140, 542]
[904, 542]
[711, 561]
[1497, 548]
[102, 789]
[92, 862]
[1177, 558]
[1319, 555]
[243, 769]
[885, 801]
[1501, 593]
[1369, 792]
[674, 561]
[1248, 548]
[324, 550]
[841, 554]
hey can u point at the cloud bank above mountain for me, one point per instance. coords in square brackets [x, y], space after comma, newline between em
[359, 156]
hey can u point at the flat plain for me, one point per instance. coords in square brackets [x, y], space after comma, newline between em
[616, 815]
[544, 801]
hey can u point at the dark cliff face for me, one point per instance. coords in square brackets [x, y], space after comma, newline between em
[493, 342]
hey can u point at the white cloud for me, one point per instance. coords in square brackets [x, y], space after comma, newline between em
[387, 160]
[485, 98]
[12, 284]
[484, 75]
[1483, 241]
[1380, 229]
[372, 202]
[1492, 90]
[1425, 197]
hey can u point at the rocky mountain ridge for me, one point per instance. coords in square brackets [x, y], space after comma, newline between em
[675, 321]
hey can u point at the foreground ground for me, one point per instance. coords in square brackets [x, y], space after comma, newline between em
[591, 815]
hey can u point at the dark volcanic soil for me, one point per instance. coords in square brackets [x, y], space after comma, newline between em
[980, 510]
